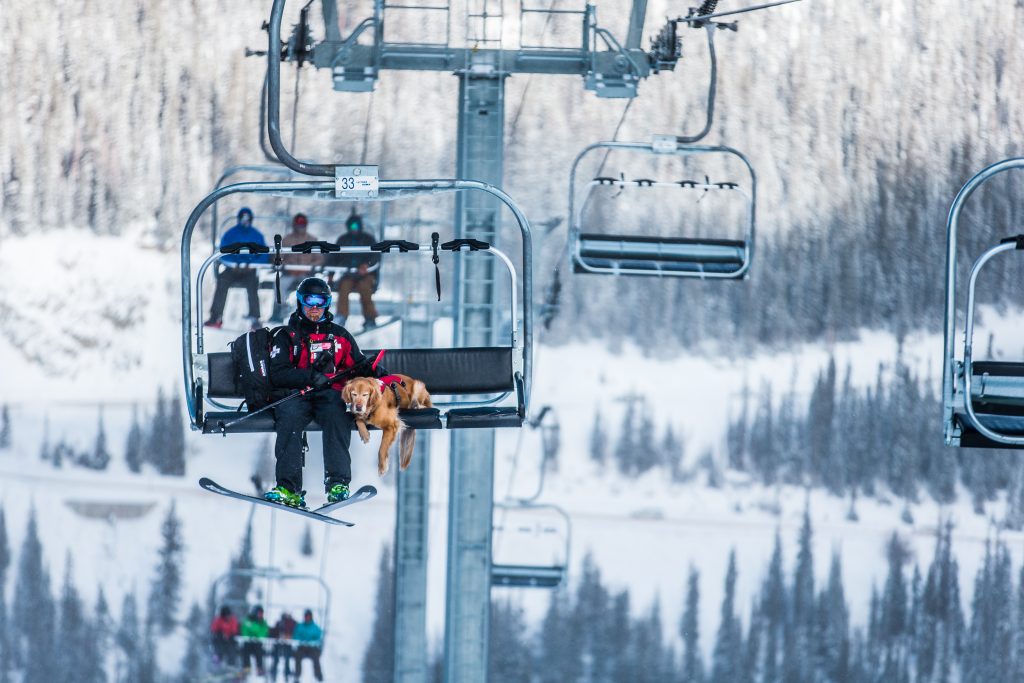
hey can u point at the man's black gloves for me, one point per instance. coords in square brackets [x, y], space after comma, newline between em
[321, 381]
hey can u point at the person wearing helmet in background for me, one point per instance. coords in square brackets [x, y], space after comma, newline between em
[310, 638]
[297, 266]
[223, 632]
[238, 271]
[254, 630]
[307, 352]
[358, 277]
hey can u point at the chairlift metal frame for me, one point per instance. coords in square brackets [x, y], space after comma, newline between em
[270, 575]
[521, 345]
[664, 256]
[534, 576]
[982, 401]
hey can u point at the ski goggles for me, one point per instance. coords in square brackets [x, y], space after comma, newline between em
[314, 300]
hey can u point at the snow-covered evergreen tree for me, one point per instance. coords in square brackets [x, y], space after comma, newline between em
[689, 629]
[5, 427]
[379, 660]
[134, 444]
[165, 593]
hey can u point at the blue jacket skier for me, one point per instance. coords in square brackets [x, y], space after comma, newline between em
[239, 271]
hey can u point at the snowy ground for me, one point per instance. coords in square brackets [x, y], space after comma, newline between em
[113, 338]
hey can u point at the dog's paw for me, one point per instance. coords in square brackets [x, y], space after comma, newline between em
[364, 439]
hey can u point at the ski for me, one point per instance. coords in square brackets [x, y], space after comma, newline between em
[214, 487]
[362, 494]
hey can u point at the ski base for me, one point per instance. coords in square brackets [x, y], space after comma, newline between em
[365, 493]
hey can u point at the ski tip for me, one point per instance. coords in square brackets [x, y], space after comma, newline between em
[206, 481]
[367, 490]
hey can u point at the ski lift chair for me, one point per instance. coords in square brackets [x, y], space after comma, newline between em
[596, 251]
[275, 591]
[551, 575]
[486, 375]
[983, 400]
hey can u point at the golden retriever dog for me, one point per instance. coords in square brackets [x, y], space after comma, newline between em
[372, 401]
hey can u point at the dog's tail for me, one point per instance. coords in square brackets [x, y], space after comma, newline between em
[406, 442]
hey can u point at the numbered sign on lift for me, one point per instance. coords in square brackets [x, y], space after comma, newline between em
[662, 209]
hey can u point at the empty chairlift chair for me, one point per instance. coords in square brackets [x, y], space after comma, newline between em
[594, 250]
[983, 400]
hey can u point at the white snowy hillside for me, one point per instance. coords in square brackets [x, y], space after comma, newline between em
[643, 532]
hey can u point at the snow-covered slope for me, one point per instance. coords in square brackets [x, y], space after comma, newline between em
[643, 533]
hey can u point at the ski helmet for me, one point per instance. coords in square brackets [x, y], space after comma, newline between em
[300, 219]
[354, 222]
[313, 292]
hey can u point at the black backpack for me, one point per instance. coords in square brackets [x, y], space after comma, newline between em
[250, 358]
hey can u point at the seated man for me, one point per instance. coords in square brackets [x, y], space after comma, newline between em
[238, 271]
[357, 277]
[291, 277]
[282, 631]
[307, 352]
[254, 627]
[223, 631]
[309, 636]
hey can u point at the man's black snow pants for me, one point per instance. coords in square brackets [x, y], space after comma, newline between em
[292, 419]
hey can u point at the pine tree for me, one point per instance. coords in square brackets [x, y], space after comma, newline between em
[598, 443]
[129, 640]
[44, 447]
[237, 592]
[379, 660]
[78, 653]
[194, 663]
[134, 443]
[509, 652]
[175, 449]
[103, 623]
[100, 457]
[626, 445]
[833, 637]
[894, 597]
[306, 548]
[6, 636]
[689, 629]
[673, 454]
[158, 436]
[167, 584]
[725, 662]
[34, 604]
[5, 428]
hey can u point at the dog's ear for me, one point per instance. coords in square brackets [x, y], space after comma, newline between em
[374, 399]
[346, 393]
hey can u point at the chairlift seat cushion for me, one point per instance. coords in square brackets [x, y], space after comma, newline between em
[484, 417]
[634, 247]
[526, 576]
[423, 418]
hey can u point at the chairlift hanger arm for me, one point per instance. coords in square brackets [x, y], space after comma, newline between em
[700, 18]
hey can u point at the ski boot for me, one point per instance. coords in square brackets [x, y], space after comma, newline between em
[337, 493]
[280, 494]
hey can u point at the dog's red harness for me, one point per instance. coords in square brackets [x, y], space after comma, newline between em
[388, 380]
